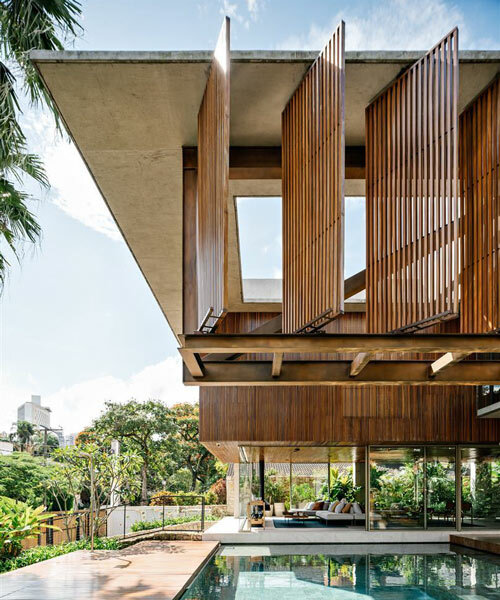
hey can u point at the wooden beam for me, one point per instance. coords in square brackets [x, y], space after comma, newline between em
[355, 284]
[447, 360]
[193, 362]
[341, 342]
[359, 363]
[277, 363]
[388, 372]
[271, 326]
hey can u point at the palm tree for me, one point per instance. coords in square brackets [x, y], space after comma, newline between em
[24, 25]
[23, 434]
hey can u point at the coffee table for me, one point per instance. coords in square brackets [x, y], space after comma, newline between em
[297, 516]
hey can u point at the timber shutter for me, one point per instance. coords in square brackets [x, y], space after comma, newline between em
[313, 152]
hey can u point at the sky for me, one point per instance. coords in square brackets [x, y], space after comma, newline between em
[78, 324]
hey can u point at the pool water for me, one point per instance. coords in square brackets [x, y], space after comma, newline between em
[347, 572]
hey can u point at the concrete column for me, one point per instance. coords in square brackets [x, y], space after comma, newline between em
[236, 490]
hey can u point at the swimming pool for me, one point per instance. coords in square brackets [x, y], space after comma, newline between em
[349, 572]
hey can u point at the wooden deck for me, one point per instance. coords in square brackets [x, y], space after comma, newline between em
[148, 570]
[485, 542]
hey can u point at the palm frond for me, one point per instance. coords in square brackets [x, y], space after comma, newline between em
[17, 223]
[27, 25]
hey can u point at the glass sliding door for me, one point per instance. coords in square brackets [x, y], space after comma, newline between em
[480, 488]
[396, 488]
[441, 487]
[245, 491]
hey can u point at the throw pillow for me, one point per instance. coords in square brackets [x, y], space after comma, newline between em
[347, 507]
[333, 505]
[309, 505]
[357, 508]
[317, 506]
[339, 507]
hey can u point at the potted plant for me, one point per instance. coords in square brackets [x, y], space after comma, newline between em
[279, 497]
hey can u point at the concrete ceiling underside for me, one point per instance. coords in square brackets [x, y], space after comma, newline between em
[130, 114]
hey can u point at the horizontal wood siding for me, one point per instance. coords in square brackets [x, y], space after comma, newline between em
[479, 175]
[213, 182]
[412, 194]
[313, 191]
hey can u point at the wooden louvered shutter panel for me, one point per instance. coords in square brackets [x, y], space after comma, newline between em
[213, 181]
[479, 175]
[412, 271]
[313, 151]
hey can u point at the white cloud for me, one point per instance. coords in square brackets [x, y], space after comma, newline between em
[253, 7]
[74, 407]
[242, 13]
[72, 188]
[390, 25]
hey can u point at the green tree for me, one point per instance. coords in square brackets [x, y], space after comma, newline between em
[144, 428]
[24, 478]
[189, 451]
[24, 25]
[103, 473]
[23, 435]
[39, 443]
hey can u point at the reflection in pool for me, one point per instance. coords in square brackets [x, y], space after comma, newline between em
[347, 573]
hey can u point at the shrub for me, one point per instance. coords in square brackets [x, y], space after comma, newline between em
[175, 499]
[41, 553]
[303, 492]
[145, 525]
[18, 521]
[162, 499]
[217, 492]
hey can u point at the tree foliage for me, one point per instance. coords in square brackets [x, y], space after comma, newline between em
[23, 435]
[24, 478]
[102, 473]
[167, 441]
[25, 25]
[144, 428]
[190, 452]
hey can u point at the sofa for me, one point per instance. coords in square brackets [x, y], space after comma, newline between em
[331, 512]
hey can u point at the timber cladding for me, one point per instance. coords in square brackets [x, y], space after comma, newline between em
[213, 182]
[325, 415]
[313, 162]
[479, 175]
[412, 194]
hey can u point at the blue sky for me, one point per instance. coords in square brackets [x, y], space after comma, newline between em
[78, 324]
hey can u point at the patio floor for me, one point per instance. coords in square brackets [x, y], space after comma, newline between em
[148, 570]
[226, 531]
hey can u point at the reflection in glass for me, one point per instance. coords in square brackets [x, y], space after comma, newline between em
[481, 487]
[441, 488]
[396, 488]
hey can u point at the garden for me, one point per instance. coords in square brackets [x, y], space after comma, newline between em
[65, 499]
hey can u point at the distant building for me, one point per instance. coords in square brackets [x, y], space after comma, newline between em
[34, 412]
[60, 436]
[69, 440]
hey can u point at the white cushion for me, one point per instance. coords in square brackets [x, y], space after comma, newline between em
[309, 505]
[339, 507]
[329, 516]
[356, 508]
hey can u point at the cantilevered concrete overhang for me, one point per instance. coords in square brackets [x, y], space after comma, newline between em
[130, 114]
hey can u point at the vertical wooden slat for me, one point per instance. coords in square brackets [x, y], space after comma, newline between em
[313, 191]
[479, 175]
[213, 181]
[412, 195]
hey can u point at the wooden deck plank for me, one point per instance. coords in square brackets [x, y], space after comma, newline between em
[149, 570]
